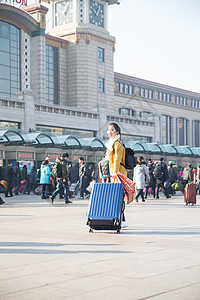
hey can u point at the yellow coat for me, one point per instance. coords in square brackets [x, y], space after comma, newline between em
[116, 157]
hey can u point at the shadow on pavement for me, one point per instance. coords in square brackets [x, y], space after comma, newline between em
[33, 244]
[46, 251]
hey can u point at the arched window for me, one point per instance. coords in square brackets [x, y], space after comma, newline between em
[10, 81]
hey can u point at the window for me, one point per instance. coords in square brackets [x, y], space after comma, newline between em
[100, 54]
[165, 97]
[146, 115]
[168, 98]
[196, 132]
[127, 112]
[184, 101]
[66, 131]
[195, 103]
[180, 100]
[52, 92]
[166, 129]
[121, 88]
[146, 93]
[8, 125]
[125, 138]
[131, 89]
[125, 88]
[124, 112]
[101, 84]
[182, 131]
[150, 94]
[10, 76]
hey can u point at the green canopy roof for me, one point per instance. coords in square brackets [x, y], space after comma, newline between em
[41, 139]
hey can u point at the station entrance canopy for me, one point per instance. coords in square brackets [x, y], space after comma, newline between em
[42, 139]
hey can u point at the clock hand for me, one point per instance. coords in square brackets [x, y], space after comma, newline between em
[94, 11]
[67, 9]
[98, 11]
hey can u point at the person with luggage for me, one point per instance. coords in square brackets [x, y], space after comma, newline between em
[9, 178]
[84, 177]
[151, 185]
[115, 151]
[140, 173]
[104, 171]
[54, 170]
[116, 155]
[161, 175]
[187, 174]
[17, 178]
[173, 176]
[198, 179]
[62, 180]
[45, 178]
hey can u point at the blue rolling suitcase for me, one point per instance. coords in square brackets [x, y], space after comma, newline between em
[106, 207]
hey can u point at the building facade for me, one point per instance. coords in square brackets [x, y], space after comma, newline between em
[62, 80]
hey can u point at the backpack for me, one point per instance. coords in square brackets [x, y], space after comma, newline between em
[57, 170]
[87, 172]
[186, 173]
[130, 159]
[158, 171]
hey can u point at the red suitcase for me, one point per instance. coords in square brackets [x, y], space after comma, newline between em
[190, 193]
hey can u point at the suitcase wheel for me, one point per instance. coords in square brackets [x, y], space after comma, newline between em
[118, 230]
[90, 230]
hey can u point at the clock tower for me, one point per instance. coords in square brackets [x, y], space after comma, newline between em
[88, 61]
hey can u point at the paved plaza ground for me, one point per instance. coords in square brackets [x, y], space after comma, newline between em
[47, 252]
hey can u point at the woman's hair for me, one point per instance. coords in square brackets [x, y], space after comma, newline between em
[116, 126]
[140, 160]
[45, 162]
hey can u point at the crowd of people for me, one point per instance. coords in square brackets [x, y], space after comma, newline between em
[50, 180]
[53, 179]
[152, 177]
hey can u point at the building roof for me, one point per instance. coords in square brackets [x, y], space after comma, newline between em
[159, 86]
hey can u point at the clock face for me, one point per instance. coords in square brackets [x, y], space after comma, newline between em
[96, 13]
[63, 12]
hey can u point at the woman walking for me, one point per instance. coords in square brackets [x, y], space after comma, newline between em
[45, 178]
[116, 155]
[140, 173]
[115, 150]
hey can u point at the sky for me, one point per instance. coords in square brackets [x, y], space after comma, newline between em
[158, 40]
